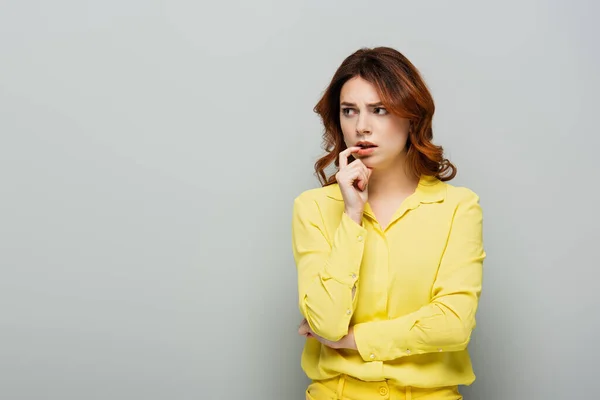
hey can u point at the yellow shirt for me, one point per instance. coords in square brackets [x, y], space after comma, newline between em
[417, 285]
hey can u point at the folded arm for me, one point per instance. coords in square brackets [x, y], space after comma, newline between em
[446, 323]
[328, 269]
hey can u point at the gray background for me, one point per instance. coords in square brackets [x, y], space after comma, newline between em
[151, 152]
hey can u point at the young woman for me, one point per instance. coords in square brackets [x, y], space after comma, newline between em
[389, 255]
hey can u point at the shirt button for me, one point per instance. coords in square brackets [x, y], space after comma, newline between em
[348, 312]
[372, 356]
[383, 391]
[353, 276]
[440, 350]
[407, 351]
[360, 238]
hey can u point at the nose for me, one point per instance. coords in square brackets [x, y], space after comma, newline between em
[363, 125]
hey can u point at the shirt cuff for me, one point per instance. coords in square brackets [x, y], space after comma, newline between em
[363, 339]
[371, 347]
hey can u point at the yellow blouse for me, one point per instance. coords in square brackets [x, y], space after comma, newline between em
[417, 285]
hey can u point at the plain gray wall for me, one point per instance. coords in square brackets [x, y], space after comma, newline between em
[151, 151]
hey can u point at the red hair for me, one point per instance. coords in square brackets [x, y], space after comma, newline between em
[403, 92]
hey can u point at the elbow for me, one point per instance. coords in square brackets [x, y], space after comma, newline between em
[460, 337]
[453, 335]
[329, 331]
[323, 324]
[456, 328]
[452, 340]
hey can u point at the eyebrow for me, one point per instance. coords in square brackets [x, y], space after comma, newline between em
[345, 103]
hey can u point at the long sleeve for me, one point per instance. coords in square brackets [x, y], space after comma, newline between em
[328, 268]
[446, 323]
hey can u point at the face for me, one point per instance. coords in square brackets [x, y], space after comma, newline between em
[364, 118]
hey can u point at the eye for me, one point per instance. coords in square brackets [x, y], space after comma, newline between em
[346, 110]
[377, 109]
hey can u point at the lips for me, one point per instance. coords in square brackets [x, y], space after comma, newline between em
[365, 151]
[365, 145]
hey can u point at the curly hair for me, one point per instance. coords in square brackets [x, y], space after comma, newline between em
[403, 92]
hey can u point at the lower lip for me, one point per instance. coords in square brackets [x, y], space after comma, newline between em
[366, 152]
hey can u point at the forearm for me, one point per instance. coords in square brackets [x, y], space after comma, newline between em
[328, 299]
[328, 306]
[437, 327]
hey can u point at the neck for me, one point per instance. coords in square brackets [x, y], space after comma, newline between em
[391, 182]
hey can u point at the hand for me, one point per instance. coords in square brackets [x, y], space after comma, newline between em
[353, 180]
[347, 342]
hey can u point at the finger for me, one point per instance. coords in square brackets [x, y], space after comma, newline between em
[360, 166]
[367, 171]
[364, 173]
[304, 328]
[357, 163]
[343, 158]
[356, 178]
[359, 176]
[363, 181]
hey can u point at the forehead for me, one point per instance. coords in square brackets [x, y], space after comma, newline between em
[359, 90]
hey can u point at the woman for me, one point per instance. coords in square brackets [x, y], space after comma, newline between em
[389, 255]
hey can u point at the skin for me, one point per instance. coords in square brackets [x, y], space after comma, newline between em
[363, 117]
[379, 177]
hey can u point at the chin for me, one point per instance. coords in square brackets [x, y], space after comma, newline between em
[368, 162]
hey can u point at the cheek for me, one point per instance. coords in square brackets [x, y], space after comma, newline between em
[346, 129]
[396, 140]
[344, 123]
[402, 138]
[400, 133]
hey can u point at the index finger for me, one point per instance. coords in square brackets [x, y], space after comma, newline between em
[344, 155]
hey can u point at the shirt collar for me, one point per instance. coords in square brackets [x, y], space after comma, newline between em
[429, 190]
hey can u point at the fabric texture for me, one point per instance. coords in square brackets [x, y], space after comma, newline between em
[417, 284]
